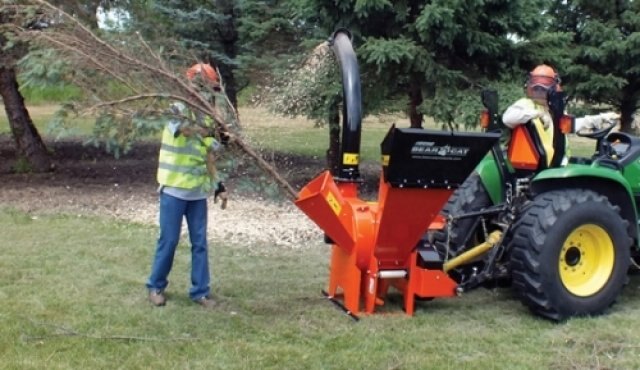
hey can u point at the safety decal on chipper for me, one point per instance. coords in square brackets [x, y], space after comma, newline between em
[333, 203]
[350, 158]
[385, 160]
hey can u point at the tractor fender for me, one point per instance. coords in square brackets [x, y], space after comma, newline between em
[605, 181]
[491, 179]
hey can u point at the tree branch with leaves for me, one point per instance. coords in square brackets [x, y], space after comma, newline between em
[123, 76]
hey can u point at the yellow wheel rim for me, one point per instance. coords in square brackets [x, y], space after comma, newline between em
[586, 260]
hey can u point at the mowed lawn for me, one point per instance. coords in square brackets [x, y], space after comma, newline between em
[72, 296]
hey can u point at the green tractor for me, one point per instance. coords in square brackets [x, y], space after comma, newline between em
[567, 232]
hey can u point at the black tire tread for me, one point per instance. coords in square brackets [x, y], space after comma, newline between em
[529, 235]
[470, 196]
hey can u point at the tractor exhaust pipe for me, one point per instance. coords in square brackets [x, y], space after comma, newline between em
[340, 43]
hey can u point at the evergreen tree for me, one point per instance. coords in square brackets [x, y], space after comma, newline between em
[606, 36]
[268, 37]
[244, 39]
[438, 54]
[208, 29]
[433, 57]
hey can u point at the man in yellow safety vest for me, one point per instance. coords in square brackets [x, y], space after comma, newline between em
[534, 108]
[186, 174]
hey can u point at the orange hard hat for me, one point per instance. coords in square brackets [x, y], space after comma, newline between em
[543, 75]
[540, 80]
[205, 70]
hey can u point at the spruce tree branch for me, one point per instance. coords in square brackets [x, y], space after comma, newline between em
[84, 55]
[151, 52]
[129, 99]
[145, 74]
[86, 30]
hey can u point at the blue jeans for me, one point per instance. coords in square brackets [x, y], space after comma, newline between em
[172, 210]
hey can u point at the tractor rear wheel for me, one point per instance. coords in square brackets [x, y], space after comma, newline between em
[570, 254]
[471, 196]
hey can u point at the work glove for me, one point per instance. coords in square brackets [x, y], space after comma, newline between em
[225, 137]
[609, 116]
[597, 122]
[220, 192]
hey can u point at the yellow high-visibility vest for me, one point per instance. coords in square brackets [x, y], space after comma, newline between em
[545, 135]
[182, 161]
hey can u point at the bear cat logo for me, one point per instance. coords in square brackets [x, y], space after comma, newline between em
[426, 149]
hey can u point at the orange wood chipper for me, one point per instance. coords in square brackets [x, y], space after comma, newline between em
[375, 243]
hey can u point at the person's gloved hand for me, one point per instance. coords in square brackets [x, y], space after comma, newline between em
[597, 122]
[220, 192]
[609, 116]
[225, 137]
[605, 119]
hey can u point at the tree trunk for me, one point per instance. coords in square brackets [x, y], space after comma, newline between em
[228, 33]
[333, 152]
[627, 109]
[415, 99]
[29, 144]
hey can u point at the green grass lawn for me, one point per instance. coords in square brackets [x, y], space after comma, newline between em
[72, 296]
[41, 115]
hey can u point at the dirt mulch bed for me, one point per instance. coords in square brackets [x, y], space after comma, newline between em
[89, 181]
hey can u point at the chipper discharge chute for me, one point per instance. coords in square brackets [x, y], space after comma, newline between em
[375, 243]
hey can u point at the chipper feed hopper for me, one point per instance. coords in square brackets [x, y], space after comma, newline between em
[375, 243]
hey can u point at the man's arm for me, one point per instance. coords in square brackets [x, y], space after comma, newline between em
[211, 164]
[595, 122]
[519, 113]
[178, 125]
[191, 130]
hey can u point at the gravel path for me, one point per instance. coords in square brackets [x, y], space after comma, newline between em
[244, 221]
[87, 181]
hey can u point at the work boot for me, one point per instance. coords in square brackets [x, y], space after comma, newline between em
[206, 302]
[157, 298]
